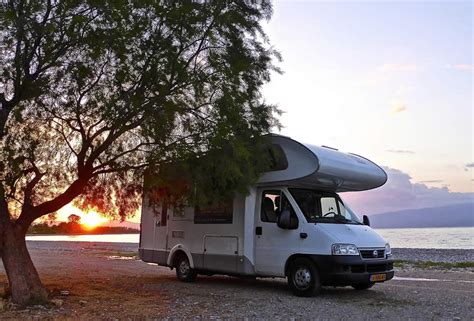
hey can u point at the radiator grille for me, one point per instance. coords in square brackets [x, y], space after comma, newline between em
[372, 253]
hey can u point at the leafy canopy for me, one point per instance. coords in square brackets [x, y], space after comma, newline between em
[94, 92]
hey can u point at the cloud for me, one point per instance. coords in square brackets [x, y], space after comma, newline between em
[461, 67]
[398, 107]
[400, 151]
[401, 193]
[433, 181]
[398, 67]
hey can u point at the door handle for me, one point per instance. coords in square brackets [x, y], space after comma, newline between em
[303, 235]
[258, 230]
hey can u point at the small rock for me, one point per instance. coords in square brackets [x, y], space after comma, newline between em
[82, 302]
[64, 293]
[57, 302]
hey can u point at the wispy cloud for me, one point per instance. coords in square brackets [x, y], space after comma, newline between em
[398, 67]
[432, 181]
[398, 107]
[462, 67]
[400, 151]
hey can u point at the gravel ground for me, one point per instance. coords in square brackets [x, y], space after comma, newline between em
[104, 282]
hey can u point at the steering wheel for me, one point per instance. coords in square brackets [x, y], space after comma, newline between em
[329, 213]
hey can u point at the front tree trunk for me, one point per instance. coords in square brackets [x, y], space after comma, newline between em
[25, 284]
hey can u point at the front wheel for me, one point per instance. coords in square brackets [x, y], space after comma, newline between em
[363, 286]
[303, 278]
[184, 272]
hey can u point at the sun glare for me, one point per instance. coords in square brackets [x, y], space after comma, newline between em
[91, 220]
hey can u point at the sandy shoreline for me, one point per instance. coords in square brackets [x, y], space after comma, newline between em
[106, 281]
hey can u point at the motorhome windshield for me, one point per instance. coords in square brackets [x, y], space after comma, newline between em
[323, 207]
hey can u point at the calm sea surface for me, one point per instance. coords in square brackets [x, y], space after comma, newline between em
[438, 238]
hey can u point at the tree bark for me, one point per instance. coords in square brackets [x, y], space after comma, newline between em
[25, 284]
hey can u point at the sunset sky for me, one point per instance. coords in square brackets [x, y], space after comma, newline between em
[391, 81]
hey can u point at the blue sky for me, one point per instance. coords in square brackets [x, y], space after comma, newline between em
[391, 81]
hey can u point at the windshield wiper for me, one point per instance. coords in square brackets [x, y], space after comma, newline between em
[342, 219]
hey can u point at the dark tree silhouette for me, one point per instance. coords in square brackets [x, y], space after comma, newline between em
[74, 219]
[93, 92]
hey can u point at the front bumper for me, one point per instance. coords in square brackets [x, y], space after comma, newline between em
[350, 270]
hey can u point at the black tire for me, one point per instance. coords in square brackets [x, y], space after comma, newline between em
[184, 272]
[363, 286]
[303, 278]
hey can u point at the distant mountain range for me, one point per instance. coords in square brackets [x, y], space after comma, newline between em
[458, 215]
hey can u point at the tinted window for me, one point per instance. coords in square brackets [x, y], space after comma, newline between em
[273, 203]
[214, 213]
[164, 214]
[277, 158]
[268, 211]
[308, 201]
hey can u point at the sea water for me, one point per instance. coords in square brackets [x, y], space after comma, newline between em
[427, 238]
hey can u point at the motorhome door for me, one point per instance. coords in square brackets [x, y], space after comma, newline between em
[273, 245]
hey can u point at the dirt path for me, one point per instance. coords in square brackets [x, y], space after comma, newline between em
[103, 285]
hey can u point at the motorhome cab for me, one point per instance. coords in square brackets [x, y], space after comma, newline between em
[292, 224]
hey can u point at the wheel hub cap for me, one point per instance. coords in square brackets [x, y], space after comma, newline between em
[303, 278]
[183, 268]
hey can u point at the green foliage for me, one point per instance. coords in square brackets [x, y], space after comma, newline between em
[95, 92]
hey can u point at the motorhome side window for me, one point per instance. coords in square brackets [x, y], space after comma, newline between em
[219, 213]
[273, 203]
[278, 160]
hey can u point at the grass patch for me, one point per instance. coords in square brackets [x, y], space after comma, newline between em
[431, 264]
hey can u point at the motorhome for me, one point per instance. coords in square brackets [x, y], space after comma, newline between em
[292, 224]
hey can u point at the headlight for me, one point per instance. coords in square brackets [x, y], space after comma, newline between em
[344, 249]
[388, 250]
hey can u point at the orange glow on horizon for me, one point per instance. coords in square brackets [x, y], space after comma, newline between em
[69, 209]
[91, 220]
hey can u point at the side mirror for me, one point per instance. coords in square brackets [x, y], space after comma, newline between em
[365, 220]
[284, 220]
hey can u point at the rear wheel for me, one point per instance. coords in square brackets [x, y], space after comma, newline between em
[303, 278]
[184, 272]
[363, 286]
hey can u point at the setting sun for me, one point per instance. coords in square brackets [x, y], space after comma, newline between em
[91, 220]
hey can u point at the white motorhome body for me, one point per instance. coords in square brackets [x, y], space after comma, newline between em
[291, 224]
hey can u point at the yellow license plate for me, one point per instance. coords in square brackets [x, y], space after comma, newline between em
[378, 277]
